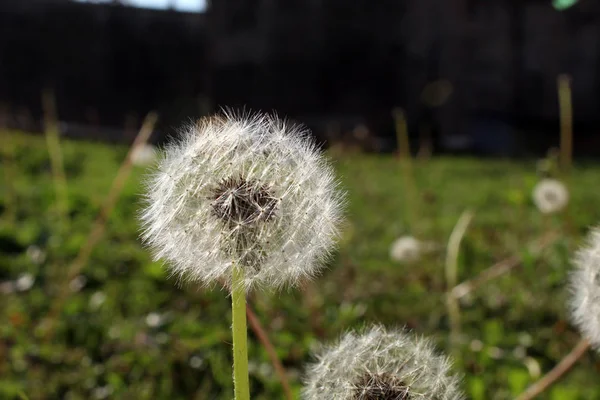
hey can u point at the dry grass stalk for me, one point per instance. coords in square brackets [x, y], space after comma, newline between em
[264, 340]
[8, 166]
[52, 133]
[452, 272]
[566, 120]
[99, 225]
[558, 371]
[410, 187]
[502, 267]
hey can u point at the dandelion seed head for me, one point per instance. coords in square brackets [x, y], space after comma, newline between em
[247, 191]
[24, 282]
[550, 196]
[97, 299]
[405, 249]
[36, 255]
[585, 289]
[381, 364]
[154, 320]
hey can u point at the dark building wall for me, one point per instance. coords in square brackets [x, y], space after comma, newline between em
[102, 61]
[309, 59]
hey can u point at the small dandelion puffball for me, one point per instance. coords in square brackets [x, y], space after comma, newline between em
[405, 249]
[585, 289]
[550, 196]
[384, 365]
[246, 192]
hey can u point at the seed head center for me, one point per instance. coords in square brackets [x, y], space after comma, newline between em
[381, 387]
[551, 197]
[240, 202]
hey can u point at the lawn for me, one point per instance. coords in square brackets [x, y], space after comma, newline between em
[129, 331]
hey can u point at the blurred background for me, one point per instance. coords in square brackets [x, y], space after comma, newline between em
[460, 69]
[485, 97]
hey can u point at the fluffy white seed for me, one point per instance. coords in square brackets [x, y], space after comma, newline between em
[381, 364]
[243, 191]
[585, 289]
[24, 282]
[550, 196]
[405, 249]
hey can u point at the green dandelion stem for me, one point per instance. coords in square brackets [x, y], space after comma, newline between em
[240, 336]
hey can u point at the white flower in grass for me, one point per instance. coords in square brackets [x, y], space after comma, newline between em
[406, 249]
[36, 255]
[585, 289]
[550, 196]
[97, 299]
[24, 282]
[243, 191]
[154, 320]
[380, 364]
[144, 154]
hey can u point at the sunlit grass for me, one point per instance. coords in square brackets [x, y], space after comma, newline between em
[508, 326]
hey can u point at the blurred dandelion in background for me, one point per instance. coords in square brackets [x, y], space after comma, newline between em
[381, 364]
[406, 249]
[585, 289]
[550, 196]
[24, 282]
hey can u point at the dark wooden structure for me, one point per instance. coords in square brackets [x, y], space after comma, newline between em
[314, 60]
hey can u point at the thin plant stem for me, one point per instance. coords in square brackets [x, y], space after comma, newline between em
[241, 382]
[425, 142]
[99, 225]
[410, 188]
[558, 371]
[502, 267]
[56, 157]
[566, 120]
[264, 340]
[452, 272]
[8, 164]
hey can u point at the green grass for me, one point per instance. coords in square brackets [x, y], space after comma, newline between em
[520, 319]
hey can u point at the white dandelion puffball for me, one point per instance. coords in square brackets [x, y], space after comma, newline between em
[144, 154]
[585, 289]
[380, 364]
[243, 191]
[550, 196]
[405, 249]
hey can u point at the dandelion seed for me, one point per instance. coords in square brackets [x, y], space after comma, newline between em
[24, 282]
[380, 364]
[77, 283]
[102, 392]
[243, 191]
[97, 299]
[114, 332]
[406, 249]
[36, 255]
[196, 362]
[550, 196]
[154, 320]
[585, 289]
